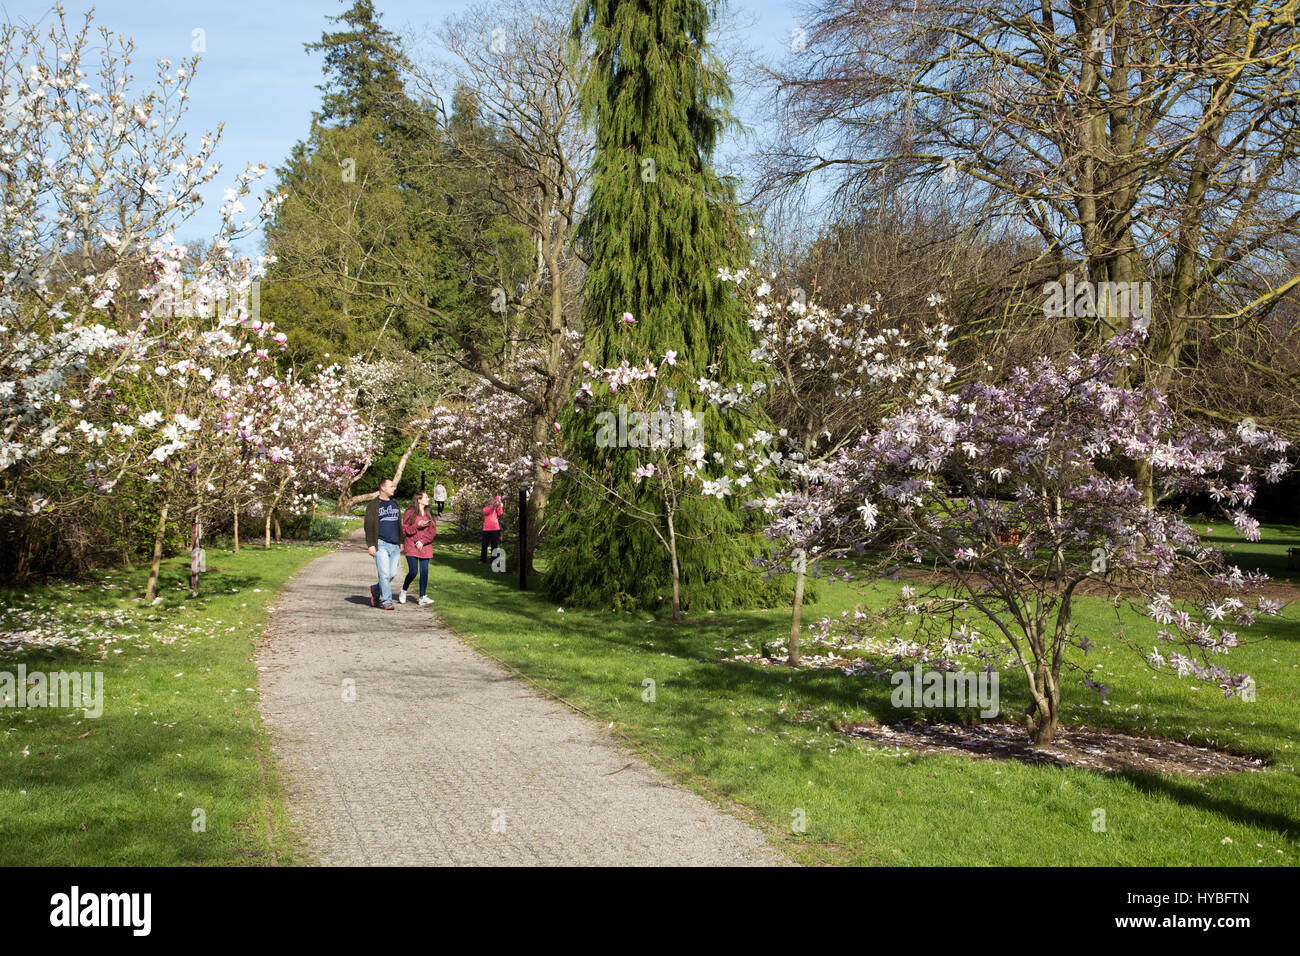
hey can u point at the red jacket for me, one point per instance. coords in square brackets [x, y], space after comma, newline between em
[417, 542]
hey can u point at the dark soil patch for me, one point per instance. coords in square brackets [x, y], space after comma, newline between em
[1105, 751]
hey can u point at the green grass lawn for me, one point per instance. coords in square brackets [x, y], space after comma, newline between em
[761, 738]
[179, 731]
[1268, 554]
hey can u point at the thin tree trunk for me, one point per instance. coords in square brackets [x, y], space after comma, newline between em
[195, 543]
[150, 592]
[397, 475]
[344, 500]
[266, 542]
[125, 537]
[538, 495]
[276, 522]
[672, 553]
[800, 571]
[236, 529]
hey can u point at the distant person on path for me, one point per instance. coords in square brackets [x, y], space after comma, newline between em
[491, 528]
[418, 529]
[440, 497]
[383, 527]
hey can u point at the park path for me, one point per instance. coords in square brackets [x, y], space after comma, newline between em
[444, 758]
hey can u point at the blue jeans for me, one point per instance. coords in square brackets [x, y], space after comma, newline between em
[416, 565]
[388, 557]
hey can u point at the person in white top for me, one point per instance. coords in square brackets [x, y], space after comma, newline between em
[440, 496]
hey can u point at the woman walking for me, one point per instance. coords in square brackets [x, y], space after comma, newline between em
[491, 528]
[418, 529]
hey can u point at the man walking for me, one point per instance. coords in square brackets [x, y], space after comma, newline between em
[383, 526]
[440, 497]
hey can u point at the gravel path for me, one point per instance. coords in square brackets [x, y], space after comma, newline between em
[444, 758]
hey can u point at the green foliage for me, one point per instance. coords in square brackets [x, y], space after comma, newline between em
[659, 225]
[178, 730]
[385, 466]
[363, 240]
[333, 238]
[325, 529]
[101, 530]
[362, 67]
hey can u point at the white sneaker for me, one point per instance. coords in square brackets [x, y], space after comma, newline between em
[401, 598]
[425, 600]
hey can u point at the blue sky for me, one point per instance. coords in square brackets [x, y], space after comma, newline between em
[256, 77]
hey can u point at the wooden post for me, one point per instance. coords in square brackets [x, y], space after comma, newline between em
[522, 549]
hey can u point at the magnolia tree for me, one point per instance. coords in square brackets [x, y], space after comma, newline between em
[129, 361]
[102, 373]
[637, 415]
[316, 442]
[202, 376]
[482, 438]
[89, 178]
[495, 434]
[387, 392]
[501, 430]
[831, 373]
[1023, 493]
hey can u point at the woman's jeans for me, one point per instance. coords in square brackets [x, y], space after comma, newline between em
[386, 561]
[412, 564]
[492, 538]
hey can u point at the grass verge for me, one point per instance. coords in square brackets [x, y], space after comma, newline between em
[762, 737]
[175, 771]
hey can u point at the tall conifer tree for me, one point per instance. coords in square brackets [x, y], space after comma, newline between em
[659, 225]
[363, 69]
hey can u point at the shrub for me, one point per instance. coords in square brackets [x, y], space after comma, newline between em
[325, 529]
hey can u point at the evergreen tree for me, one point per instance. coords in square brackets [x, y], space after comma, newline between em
[363, 69]
[369, 218]
[659, 225]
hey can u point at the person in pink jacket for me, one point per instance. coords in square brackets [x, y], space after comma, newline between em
[492, 512]
[418, 528]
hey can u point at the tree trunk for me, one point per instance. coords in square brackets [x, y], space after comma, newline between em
[276, 522]
[266, 538]
[196, 537]
[1144, 480]
[672, 554]
[125, 536]
[538, 495]
[1046, 707]
[151, 590]
[344, 500]
[236, 529]
[800, 572]
[397, 475]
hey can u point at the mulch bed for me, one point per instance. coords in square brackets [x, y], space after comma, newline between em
[1105, 751]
